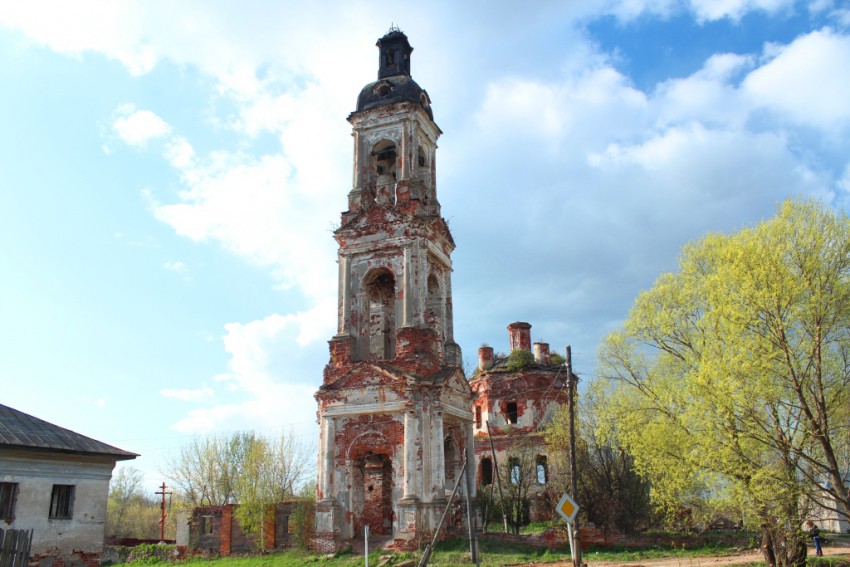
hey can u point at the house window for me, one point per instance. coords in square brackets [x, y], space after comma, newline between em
[62, 501]
[514, 468]
[8, 493]
[542, 470]
[512, 413]
[478, 417]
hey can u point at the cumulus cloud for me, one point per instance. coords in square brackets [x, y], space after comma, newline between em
[605, 191]
[112, 28]
[137, 127]
[272, 360]
[186, 394]
[806, 81]
[703, 10]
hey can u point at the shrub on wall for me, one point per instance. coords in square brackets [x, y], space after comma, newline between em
[520, 360]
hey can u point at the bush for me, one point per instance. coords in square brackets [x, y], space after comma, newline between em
[146, 553]
[303, 518]
[520, 360]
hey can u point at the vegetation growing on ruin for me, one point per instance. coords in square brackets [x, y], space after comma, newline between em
[520, 360]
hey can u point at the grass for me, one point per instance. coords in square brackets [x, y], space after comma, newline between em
[492, 553]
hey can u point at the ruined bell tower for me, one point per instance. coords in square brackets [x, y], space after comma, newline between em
[394, 406]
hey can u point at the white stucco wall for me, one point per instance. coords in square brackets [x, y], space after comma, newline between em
[36, 473]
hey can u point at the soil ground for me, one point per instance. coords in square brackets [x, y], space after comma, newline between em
[751, 556]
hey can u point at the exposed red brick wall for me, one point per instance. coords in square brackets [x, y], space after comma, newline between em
[379, 434]
[520, 336]
[226, 527]
[57, 558]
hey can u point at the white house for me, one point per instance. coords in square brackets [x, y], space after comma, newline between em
[55, 482]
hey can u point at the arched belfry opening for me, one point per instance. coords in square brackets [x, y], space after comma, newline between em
[434, 314]
[382, 173]
[379, 286]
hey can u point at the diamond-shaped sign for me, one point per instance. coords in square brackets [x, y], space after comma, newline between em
[567, 508]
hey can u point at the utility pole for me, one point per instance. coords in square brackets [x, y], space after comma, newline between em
[571, 400]
[162, 517]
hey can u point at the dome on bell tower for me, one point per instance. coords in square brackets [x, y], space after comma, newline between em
[394, 83]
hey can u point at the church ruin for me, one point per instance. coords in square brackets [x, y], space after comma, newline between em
[394, 407]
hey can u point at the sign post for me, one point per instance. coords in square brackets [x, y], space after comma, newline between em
[568, 509]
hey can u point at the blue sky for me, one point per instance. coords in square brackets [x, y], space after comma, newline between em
[171, 173]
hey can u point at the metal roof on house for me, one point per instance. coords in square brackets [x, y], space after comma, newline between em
[19, 430]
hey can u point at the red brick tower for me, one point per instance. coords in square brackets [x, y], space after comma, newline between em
[394, 406]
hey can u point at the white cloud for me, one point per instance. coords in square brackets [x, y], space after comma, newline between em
[844, 181]
[273, 372]
[177, 266]
[806, 81]
[550, 113]
[736, 9]
[112, 28]
[138, 127]
[703, 10]
[186, 394]
[709, 95]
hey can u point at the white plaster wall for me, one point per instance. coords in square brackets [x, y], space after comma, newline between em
[35, 475]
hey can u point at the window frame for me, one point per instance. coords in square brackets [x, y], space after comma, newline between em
[62, 502]
[8, 500]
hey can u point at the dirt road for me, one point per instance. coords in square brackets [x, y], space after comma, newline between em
[738, 559]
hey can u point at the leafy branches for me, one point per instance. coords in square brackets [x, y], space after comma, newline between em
[730, 377]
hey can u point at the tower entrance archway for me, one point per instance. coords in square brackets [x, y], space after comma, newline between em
[372, 488]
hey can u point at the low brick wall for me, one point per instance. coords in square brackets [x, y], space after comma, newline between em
[592, 536]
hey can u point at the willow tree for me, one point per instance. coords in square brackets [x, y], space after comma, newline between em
[731, 376]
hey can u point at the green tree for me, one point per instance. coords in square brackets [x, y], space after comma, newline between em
[731, 376]
[272, 469]
[518, 472]
[205, 469]
[131, 511]
[611, 494]
[241, 468]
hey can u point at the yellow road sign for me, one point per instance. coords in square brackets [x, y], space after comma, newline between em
[567, 508]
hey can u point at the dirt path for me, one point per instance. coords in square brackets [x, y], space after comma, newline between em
[738, 559]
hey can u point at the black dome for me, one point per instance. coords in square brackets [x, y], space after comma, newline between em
[390, 90]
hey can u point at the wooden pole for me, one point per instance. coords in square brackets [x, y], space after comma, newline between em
[498, 479]
[426, 555]
[571, 395]
[473, 543]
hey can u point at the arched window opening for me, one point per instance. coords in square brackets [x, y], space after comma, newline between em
[423, 173]
[434, 315]
[511, 413]
[486, 471]
[382, 172]
[542, 470]
[380, 290]
[514, 470]
[477, 417]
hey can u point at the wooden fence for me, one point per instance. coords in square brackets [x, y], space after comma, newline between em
[15, 547]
